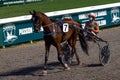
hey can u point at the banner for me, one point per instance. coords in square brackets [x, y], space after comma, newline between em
[17, 32]
[105, 17]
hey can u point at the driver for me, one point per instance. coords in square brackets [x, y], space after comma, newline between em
[92, 25]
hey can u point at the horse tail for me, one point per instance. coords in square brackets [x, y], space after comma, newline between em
[83, 42]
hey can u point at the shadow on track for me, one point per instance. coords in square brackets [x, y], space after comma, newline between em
[29, 70]
[94, 65]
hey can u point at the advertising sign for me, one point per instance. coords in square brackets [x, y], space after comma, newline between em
[17, 32]
[105, 17]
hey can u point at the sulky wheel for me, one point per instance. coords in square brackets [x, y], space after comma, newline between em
[105, 55]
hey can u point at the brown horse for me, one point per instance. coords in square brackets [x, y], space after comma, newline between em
[77, 25]
[53, 35]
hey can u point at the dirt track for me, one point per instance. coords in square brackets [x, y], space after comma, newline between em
[25, 62]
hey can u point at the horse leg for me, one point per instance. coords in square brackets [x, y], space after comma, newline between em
[47, 48]
[73, 52]
[77, 57]
[74, 48]
[72, 43]
[60, 58]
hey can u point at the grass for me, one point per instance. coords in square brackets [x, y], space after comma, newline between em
[48, 5]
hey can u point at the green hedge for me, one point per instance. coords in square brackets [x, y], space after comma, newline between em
[48, 5]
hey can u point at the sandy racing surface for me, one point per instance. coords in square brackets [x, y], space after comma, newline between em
[25, 62]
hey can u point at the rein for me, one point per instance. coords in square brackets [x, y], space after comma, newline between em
[53, 25]
[48, 25]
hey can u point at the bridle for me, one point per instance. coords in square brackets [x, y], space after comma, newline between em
[37, 23]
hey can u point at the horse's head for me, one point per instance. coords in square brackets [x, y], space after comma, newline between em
[36, 21]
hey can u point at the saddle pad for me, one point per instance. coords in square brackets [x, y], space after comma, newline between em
[64, 26]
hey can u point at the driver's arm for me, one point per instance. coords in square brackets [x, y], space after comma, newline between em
[96, 29]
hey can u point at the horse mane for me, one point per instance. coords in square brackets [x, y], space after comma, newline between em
[66, 19]
[53, 20]
[41, 13]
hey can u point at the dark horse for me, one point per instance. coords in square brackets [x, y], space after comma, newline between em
[53, 35]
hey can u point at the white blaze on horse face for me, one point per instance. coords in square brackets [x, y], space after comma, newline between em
[65, 27]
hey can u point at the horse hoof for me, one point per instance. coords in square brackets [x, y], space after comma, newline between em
[67, 67]
[44, 73]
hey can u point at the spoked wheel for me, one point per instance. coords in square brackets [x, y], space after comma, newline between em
[104, 55]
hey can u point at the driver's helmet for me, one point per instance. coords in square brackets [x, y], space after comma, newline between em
[91, 15]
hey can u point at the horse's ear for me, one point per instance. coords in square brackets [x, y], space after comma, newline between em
[30, 12]
[34, 11]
